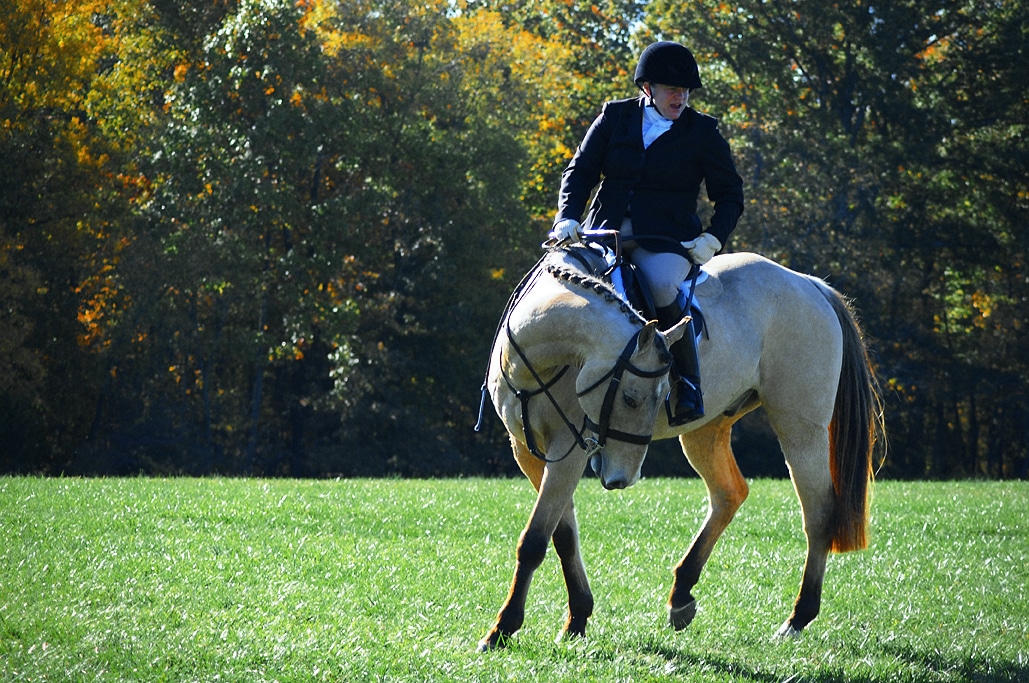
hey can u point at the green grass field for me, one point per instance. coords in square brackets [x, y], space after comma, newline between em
[386, 580]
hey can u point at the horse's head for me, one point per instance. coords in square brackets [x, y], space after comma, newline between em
[621, 398]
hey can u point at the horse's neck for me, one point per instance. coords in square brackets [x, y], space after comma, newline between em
[563, 324]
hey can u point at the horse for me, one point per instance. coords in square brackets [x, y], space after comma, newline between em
[579, 378]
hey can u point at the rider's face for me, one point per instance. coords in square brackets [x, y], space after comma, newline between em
[670, 100]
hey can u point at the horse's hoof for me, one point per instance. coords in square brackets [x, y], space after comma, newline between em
[492, 641]
[787, 632]
[575, 628]
[567, 635]
[680, 617]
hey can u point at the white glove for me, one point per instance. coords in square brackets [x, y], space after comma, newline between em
[703, 248]
[567, 230]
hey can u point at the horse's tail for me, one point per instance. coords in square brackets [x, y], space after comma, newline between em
[857, 427]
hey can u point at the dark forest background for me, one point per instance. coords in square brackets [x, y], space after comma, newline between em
[274, 237]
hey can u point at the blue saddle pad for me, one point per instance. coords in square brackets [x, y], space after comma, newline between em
[625, 280]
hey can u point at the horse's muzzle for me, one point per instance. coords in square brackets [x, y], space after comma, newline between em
[614, 480]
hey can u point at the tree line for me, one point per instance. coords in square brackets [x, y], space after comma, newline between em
[274, 237]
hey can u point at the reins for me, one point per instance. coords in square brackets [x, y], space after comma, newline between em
[602, 428]
[590, 446]
[512, 301]
[524, 395]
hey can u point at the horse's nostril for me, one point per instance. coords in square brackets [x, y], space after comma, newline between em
[615, 484]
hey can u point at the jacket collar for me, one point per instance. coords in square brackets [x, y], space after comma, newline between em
[678, 129]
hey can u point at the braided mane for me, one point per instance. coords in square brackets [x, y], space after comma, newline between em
[596, 285]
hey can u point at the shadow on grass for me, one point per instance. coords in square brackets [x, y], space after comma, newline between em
[960, 666]
[917, 666]
[685, 662]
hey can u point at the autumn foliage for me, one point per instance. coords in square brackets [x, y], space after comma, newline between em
[274, 236]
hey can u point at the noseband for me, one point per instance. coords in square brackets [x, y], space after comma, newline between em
[602, 428]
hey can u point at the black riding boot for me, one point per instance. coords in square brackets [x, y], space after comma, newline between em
[689, 402]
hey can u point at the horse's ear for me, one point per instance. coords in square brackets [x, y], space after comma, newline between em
[675, 332]
[647, 334]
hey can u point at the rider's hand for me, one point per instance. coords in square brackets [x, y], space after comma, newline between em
[567, 230]
[703, 248]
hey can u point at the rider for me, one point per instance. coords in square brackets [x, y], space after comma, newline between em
[650, 155]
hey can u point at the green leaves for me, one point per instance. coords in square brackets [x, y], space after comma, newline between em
[885, 149]
[235, 235]
[318, 173]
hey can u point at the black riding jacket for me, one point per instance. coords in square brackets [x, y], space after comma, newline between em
[658, 186]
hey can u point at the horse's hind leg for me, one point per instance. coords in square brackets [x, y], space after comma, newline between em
[806, 447]
[710, 453]
[553, 517]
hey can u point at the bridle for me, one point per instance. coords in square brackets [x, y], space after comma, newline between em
[601, 428]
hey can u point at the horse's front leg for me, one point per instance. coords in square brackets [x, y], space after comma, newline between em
[553, 516]
[710, 453]
[580, 598]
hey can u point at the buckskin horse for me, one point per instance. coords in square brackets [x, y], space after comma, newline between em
[578, 377]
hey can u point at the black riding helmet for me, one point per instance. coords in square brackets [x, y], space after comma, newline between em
[668, 63]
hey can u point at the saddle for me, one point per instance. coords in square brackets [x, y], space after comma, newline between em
[602, 262]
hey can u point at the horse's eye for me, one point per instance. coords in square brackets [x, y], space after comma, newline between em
[630, 401]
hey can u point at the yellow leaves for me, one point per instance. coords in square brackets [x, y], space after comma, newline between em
[906, 392]
[502, 63]
[984, 303]
[288, 351]
[935, 52]
[334, 42]
[98, 309]
[180, 72]
[738, 115]
[334, 33]
[49, 52]
[207, 191]
[310, 8]
[83, 156]
[548, 125]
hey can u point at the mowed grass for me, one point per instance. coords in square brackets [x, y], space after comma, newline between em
[387, 580]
